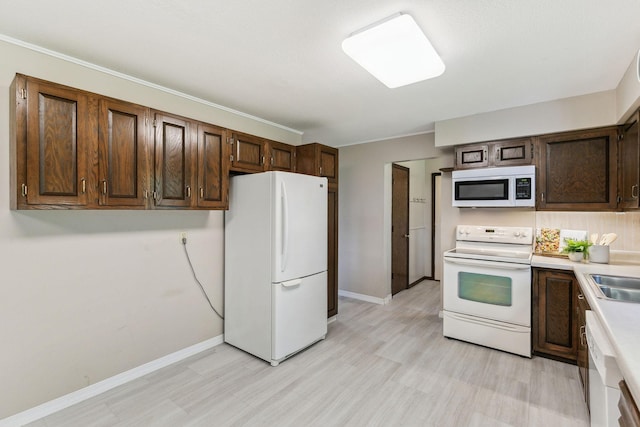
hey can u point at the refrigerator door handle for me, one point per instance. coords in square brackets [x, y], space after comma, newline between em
[285, 228]
[291, 283]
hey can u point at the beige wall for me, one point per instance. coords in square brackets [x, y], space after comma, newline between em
[89, 294]
[580, 112]
[364, 237]
[628, 91]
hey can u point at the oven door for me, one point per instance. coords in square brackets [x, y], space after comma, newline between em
[488, 289]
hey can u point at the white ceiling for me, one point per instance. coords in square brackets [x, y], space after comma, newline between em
[281, 60]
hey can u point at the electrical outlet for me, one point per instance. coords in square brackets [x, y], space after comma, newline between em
[183, 237]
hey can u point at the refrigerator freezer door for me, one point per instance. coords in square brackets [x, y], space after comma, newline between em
[300, 226]
[299, 314]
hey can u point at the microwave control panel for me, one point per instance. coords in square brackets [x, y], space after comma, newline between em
[523, 188]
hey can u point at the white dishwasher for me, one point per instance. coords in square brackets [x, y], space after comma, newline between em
[604, 375]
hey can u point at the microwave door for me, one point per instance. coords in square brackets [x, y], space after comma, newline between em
[483, 192]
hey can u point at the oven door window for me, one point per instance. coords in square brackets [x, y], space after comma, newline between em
[490, 189]
[485, 288]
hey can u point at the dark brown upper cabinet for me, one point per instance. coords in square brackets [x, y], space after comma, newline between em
[213, 167]
[248, 153]
[123, 154]
[577, 170]
[191, 164]
[282, 157]
[317, 159]
[511, 152]
[51, 135]
[629, 162]
[173, 160]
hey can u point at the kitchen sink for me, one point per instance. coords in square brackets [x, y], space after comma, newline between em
[617, 288]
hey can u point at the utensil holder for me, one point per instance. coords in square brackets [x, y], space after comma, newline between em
[599, 254]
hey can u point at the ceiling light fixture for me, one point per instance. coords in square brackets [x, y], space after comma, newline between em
[395, 51]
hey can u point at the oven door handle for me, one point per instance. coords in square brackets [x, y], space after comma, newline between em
[484, 263]
[497, 325]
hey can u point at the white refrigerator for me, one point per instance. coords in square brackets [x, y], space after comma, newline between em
[275, 289]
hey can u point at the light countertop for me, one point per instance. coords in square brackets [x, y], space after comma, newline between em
[620, 320]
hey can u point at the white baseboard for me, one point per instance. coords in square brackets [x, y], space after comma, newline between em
[93, 390]
[382, 301]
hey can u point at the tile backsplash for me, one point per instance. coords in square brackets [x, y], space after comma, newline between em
[625, 224]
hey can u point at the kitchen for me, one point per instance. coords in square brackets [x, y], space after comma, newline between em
[87, 261]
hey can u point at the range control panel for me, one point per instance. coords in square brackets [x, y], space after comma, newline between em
[481, 233]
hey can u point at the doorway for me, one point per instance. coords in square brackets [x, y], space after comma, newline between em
[424, 220]
[399, 228]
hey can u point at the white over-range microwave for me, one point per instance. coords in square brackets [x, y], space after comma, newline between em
[513, 186]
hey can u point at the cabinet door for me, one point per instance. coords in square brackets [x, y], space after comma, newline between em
[249, 154]
[173, 161]
[58, 137]
[629, 155]
[472, 156]
[555, 331]
[332, 256]
[328, 166]
[512, 153]
[123, 163]
[282, 157]
[629, 413]
[578, 170]
[213, 167]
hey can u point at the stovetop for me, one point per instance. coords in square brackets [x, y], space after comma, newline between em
[503, 244]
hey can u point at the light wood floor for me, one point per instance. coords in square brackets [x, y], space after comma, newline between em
[379, 366]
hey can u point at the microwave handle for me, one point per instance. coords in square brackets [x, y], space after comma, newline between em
[483, 263]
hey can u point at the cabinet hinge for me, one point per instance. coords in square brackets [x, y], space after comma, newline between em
[154, 123]
[23, 93]
[25, 190]
[620, 136]
[155, 196]
[230, 141]
[231, 157]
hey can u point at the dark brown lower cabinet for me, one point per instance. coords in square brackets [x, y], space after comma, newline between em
[629, 413]
[554, 327]
[332, 259]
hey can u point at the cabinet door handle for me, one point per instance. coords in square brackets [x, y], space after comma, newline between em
[542, 197]
[104, 186]
[201, 193]
[320, 170]
[634, 191]
[580, 296]
[498, 153]
[188, 191]
[84, 185]
[583, 335]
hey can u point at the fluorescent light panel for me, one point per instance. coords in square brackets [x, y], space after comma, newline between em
[395, 51]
